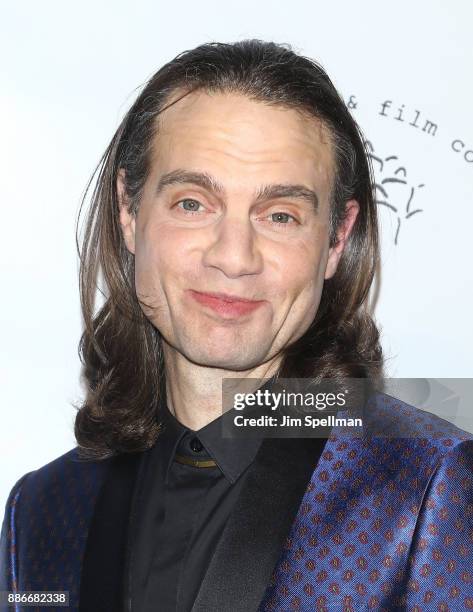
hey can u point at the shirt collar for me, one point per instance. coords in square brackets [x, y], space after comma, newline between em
[232, 455]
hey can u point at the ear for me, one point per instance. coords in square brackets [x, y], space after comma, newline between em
[352, 209]
[127, 219]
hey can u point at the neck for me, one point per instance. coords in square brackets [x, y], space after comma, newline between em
[194, 392]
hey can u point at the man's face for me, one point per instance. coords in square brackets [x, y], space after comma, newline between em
[237, 217]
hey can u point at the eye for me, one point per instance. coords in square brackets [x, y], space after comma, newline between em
[193, 205]
[282, 218]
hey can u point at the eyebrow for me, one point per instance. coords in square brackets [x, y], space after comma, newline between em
[263, 193]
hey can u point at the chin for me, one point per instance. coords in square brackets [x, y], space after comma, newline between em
[225, 360]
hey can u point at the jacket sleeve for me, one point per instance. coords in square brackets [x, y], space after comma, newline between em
[440, 576]
[9, 540]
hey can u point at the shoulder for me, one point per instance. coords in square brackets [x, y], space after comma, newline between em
[46, 520]
[60, 494]
[68, 475]
[393, 418]
[420, 442]
[57, 498]
[410, 455]
[400, 442]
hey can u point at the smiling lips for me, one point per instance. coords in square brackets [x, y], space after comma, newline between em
[226, 305]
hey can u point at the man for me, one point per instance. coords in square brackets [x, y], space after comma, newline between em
[235, 228]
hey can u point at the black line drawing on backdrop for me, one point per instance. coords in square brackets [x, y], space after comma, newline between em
[389, 174]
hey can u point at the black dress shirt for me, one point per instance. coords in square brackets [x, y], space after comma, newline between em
[183, 510]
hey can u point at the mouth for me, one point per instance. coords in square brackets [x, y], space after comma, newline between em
[225, 304]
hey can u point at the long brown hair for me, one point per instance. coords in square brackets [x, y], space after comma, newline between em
[120, 349]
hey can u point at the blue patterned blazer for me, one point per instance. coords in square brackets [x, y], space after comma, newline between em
[345, 523]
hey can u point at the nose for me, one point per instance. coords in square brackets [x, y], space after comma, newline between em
[233, 248]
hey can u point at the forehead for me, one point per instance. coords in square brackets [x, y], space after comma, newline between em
[241, 140]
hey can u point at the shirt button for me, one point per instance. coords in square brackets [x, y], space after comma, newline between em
[196, 445]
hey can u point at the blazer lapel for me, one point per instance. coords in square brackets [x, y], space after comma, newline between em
[252, 541]
[103, 588]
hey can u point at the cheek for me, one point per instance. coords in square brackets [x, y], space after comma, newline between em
[163, 256]
[149, 259]
[303, 265]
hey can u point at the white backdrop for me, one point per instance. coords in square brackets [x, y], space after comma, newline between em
[69, 72]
